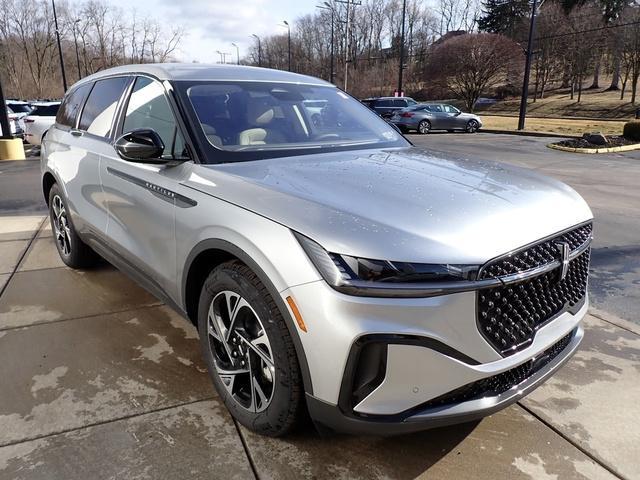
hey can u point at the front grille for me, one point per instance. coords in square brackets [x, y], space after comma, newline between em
[508, 316]
[492, 386]
[536, 255]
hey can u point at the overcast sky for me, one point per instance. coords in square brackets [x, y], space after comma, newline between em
[214, 24]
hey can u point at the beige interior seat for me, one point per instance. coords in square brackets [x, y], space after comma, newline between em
[259, 114]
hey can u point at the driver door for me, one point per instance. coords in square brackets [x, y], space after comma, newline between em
[142, 198]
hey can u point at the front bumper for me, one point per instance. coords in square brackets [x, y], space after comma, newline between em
[333, 418]
[434, 347]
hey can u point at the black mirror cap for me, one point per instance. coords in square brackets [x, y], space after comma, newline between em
[142, 145]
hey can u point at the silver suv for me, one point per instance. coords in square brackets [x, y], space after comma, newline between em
[328, 264]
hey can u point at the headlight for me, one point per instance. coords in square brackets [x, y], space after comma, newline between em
[367, 277]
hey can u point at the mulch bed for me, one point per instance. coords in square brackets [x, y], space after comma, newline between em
[614, 141]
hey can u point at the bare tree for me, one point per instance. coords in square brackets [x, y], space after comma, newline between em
[470, 64]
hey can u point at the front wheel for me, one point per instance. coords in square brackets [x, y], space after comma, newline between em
[249, 351]
[472, 126]
[424, 127]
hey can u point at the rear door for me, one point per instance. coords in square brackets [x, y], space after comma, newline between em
[452, 114]
[142, 197]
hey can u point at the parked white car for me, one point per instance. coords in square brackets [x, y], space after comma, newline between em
[13, 124]
[38, 122]
[20, 110]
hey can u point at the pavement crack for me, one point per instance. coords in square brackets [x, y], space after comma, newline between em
[567, 438]
[247, 452]
[105, 422]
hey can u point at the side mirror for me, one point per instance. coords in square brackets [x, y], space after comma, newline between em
[143, 145]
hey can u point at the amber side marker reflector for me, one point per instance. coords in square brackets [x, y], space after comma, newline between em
[296, 313]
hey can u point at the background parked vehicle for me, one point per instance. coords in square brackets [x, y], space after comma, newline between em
[20, 110]
[425, 117]
[387, 106]
[39, 121]
[13, 123]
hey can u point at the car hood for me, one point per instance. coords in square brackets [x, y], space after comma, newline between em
[400, 205]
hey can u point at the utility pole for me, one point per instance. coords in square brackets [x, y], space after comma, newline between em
[327, 6]
[346, 41]
[237, 53]
[527, 68]
[259, 49]
[75, 41]
[401, 66]
[286, 24]
[4, 117]
[55, 20]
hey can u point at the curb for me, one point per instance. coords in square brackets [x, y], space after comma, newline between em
[528, 133]
[622, 148]
[532, 117]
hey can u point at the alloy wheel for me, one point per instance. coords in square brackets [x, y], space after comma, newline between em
[424, 126]
[472, 126]
[62, 231]
[241, 351]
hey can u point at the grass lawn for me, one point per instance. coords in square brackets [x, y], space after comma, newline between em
[563, 126]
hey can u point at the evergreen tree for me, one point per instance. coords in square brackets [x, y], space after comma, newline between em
[503, 16]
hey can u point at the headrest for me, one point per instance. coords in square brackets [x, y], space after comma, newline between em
[259, 112]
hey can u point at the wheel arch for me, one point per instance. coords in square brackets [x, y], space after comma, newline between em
[48, 180]
[210, 253]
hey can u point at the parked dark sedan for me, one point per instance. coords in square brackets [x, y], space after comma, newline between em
[425, 117]
[387, 106]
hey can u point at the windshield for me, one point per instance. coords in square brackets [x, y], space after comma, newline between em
[254, 118]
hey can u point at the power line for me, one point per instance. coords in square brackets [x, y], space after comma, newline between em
[605, 27]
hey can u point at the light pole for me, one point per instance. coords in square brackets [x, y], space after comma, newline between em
[223, 56]
[237, 53]
[327, 6]
[259, 49]
[286, 24]
[5, 128]
[346, 41]
[527, 68]
[55, 20]
[75, 41]
[401, 66]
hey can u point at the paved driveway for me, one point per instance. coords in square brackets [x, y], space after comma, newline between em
[99, 380]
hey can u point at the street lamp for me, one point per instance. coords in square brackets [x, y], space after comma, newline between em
[401, 66]
[328, 6]
[75, 41]
[237, 53]
[286, 24]
[55, 20]
[259, 49]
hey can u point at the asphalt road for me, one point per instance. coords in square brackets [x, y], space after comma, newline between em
[609, 182]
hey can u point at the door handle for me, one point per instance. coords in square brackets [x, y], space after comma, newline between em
[76, 133]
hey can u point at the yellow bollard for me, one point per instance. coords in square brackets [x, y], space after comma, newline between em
[11, 149]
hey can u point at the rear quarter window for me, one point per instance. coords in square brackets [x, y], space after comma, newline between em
[71, 105]
[45, 111]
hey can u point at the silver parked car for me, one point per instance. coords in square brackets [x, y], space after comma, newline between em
[426, 117]
[327, 263]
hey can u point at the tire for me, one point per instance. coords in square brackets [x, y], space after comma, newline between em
[261, 389]
[424, 127]
[472, 126]
[73, 251]
[451, 131]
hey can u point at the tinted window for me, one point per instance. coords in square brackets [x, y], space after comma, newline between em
[71, 105]
[98, 112]
[410, 101]
[450, 109]
[384, 103]
[45, 110]
[148, 107]
[20, 107]
[399, 103]
[435, 108]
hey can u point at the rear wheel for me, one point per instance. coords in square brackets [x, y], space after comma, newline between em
[249, 351]
[73, 251]
[424, 126]
[472, 126]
